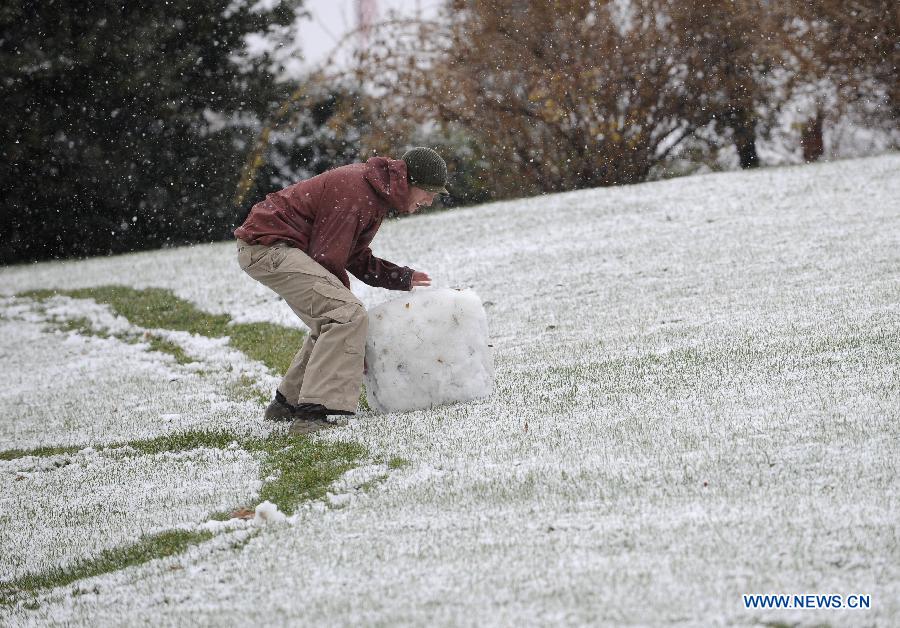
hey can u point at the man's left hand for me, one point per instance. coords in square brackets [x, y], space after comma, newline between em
[420, 279]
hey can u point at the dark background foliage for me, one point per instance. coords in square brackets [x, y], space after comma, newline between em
[106, 147]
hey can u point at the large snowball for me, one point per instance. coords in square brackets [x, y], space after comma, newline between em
[426, 349]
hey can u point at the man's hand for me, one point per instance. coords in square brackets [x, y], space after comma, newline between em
[420, 279]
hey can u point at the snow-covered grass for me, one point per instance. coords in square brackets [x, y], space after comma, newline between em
[157, 309]
[697, 396]
[294, 469]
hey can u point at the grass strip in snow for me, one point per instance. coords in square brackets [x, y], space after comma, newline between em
[151, 308]
[13, 454]
[183, 441]
[295, 469]
[273, 345]
[83, 327]
[179, 441]
[148, 548]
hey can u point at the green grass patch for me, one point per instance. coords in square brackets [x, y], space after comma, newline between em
[221, 515]
[398, 463]
[80, 326]
[164, 346]
[147, 548]
[245, 390]
[364, 400]
[302, 468]
[273, 345]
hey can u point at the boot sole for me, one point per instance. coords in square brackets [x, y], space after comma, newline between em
[278, 416]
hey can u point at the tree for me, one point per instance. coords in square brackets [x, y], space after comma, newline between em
[120, 137]
[318, 127]
[853, 49]
[731, 48]
[558, 95]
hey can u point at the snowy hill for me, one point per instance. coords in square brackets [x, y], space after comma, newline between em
[697, 397]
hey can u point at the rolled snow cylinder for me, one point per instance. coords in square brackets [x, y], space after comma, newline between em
[427, 349]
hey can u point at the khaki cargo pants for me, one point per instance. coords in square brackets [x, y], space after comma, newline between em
[328, 369]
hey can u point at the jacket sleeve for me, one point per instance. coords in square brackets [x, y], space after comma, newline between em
[377, 272]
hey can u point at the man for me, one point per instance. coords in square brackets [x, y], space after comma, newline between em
[302, 240]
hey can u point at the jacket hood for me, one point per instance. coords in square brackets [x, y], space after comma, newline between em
[388, 178]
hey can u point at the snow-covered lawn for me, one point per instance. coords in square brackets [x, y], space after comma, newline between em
[697, 397]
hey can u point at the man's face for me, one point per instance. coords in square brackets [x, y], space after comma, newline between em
[418, 198]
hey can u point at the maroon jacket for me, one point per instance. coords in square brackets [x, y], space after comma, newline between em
[333, 218]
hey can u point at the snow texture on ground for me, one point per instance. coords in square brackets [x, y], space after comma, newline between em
[697, 396]
[427, 348]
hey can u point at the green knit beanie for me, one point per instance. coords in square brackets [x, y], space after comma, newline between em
[425, 169]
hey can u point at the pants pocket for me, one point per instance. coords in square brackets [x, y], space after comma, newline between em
[331, 292]
[251, 256]
[338, 304]
[276, 256]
